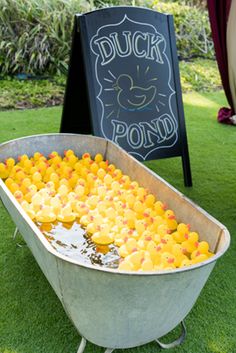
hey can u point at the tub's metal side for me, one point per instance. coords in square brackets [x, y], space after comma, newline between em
[223, 241]
[52, 142]
[45, 259]
[122, 311]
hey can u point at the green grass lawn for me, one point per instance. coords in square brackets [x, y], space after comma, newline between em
[32, 319]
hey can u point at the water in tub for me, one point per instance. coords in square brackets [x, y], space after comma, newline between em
[70, 239]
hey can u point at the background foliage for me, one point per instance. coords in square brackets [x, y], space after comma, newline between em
[192, 28]
[35, 35]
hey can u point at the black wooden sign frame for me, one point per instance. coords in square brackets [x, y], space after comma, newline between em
[113, 87]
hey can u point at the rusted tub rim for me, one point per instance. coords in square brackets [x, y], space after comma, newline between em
[51, 250]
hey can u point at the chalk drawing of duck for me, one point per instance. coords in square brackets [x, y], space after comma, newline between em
[132, 97]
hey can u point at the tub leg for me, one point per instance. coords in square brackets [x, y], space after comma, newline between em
[82, 345]
[15, 233]
[14, 237]
[173, 344]
[177, 342]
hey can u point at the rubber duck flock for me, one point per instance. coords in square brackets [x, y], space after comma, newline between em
[109, 206]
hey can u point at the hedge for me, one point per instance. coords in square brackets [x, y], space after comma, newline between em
[35, 35]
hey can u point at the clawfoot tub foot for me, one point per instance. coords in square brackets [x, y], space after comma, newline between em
[83, 345]
[173, 344]
[177, 342]
[15, 233]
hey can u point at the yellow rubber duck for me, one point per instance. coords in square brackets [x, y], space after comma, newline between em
[181, 233]
[50, 187]
[183, 229]
[81, 208]
[168, 242]
[91, 228]
[126, 265]
[27, 165]
[179, 254]
[63, 192]
[139, 207]
[28, 209]
[191, 244]
[157, 221]
[56, 204]
[20, 175]
[85, 220]
[19, 196]
[186, 262]
[168, 260]
[66, 214]
[26, 182]
[94, 168]
[22, 159]
[162, 230]
[47, 174]
[121, 236]
[102, 238]
[146, 265]
[130, 217]
[10, 163]
[130, 245]
[9, 181]
[56, 161]
[72, 180]
[203, 247]
[140, 226]
[44, 192]
[55, 179]
[135, 258]
[155, 252]
[150, 200]
[37, 201]
[32, 189]
[46, 215]
[4, 172]
[70, 159]
[36, 177]
[37, 155]
[159, 207]
[145, 238]
[92, 201]
[13, 187]
[170, 219]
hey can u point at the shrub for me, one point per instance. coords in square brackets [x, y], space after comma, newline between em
[35, 35]
[200, 75]
[192, 29]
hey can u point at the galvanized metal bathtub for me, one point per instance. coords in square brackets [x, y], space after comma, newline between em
[110, 308]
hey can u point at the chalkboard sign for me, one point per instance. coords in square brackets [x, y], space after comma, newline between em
[124, 72]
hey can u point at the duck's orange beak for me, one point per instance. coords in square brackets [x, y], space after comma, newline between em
[171, 217]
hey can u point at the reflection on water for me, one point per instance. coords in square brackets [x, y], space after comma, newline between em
[70, 239]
